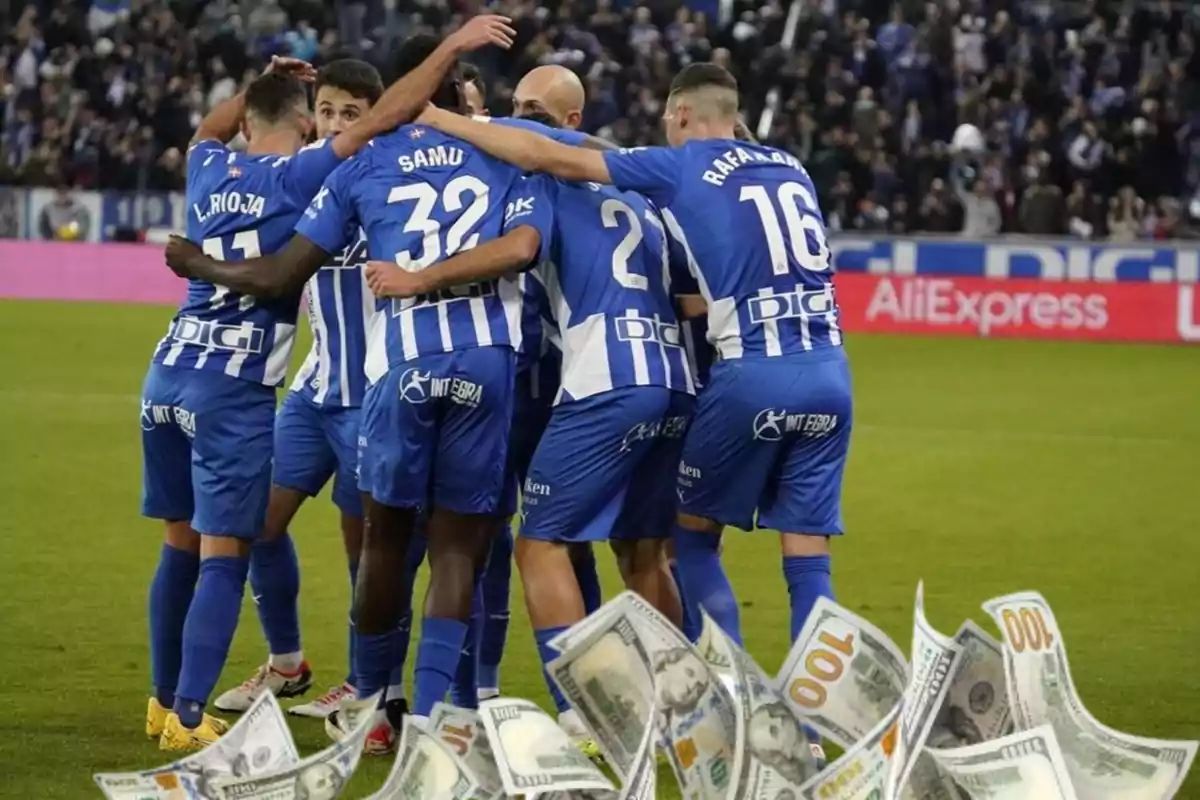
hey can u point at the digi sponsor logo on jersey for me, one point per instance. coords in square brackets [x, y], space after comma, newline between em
[940, 302]
[665, 428]
[792, 305]
[242, 338]
[154, 415]
[771, 425]
[632, 327]
[418, 386]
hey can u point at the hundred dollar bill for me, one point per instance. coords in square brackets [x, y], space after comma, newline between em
[608, 678]
[258, 743]
[863, 770]
[934, 660]
[532, 753]
[976, 707]
[697, 717]
[642, 781]
[426, 769]
[321, 776]
[843, 675]
[776, 758]
[1103, 763]
[461, 731]
[1022, 765]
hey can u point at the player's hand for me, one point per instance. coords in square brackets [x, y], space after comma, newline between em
[388, 280]
[292, 66]
[482, 30]
[179, 254]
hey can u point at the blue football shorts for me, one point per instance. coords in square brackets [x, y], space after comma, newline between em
[772, 435]
[314, 443]
[206, 450]
[579, 479]
[435, 431]
[649, 508]
[533, 402]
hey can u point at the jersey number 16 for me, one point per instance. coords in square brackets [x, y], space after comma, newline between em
[799, 215]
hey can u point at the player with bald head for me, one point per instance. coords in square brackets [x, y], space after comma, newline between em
[553, 90]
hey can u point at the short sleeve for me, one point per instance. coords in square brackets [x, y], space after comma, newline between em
[206, 155]
[653, 171]
[330, 221]
[531, 202]
[305, 172]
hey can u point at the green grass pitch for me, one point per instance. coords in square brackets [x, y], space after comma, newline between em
[984, 467]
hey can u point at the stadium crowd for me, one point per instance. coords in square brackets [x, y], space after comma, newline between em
[1086, 117]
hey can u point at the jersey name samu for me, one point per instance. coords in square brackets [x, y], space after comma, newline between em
[340, 308]
[755, 239]
[241, 206]
[605, 265]
[422, 196]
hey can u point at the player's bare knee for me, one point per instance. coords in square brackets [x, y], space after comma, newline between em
[698, 524]
[804, 544]
[179, 534]
[224, 547]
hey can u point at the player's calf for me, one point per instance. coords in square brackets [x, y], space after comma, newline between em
[697, 543]
[458, 547]
[555, 603]
[644, 569]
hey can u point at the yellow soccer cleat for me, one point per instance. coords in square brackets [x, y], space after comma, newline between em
[590, 749]
[176, 738]
[156, 720]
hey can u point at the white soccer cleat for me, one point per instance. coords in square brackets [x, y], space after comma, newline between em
[381, 740]
[323, 705]
[266, 679]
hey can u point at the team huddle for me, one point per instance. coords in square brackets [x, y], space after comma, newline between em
[639, 347]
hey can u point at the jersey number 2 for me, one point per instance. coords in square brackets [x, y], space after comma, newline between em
[799, 215]
[454, 199]
[247, 243]
[610, 211]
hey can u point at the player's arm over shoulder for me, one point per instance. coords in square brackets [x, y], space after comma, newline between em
[530, 151]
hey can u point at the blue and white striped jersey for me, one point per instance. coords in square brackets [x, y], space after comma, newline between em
[533, 348]
[755, 239]
[605, 264]
[241, 206]
[422, 196]
[340, 308]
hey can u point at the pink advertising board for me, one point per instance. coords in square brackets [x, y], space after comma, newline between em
[128, 273]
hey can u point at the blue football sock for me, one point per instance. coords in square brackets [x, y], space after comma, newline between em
[497, 581]
[705, 585]
[350, 646]
[589, 581]
[463, 689]
[807, 579]
[403, 642]
[437, 660]
[208, 632]
[691, 625]
[548, 654]
[275, 582]
[374, 655]
[170, 596]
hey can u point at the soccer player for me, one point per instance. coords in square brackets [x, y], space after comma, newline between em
[772, 427]
[436, 415]
[605, 464]
[208, 401]
[316, 430]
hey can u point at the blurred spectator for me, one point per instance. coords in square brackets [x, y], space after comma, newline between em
[1070, 102]
[64, 219]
